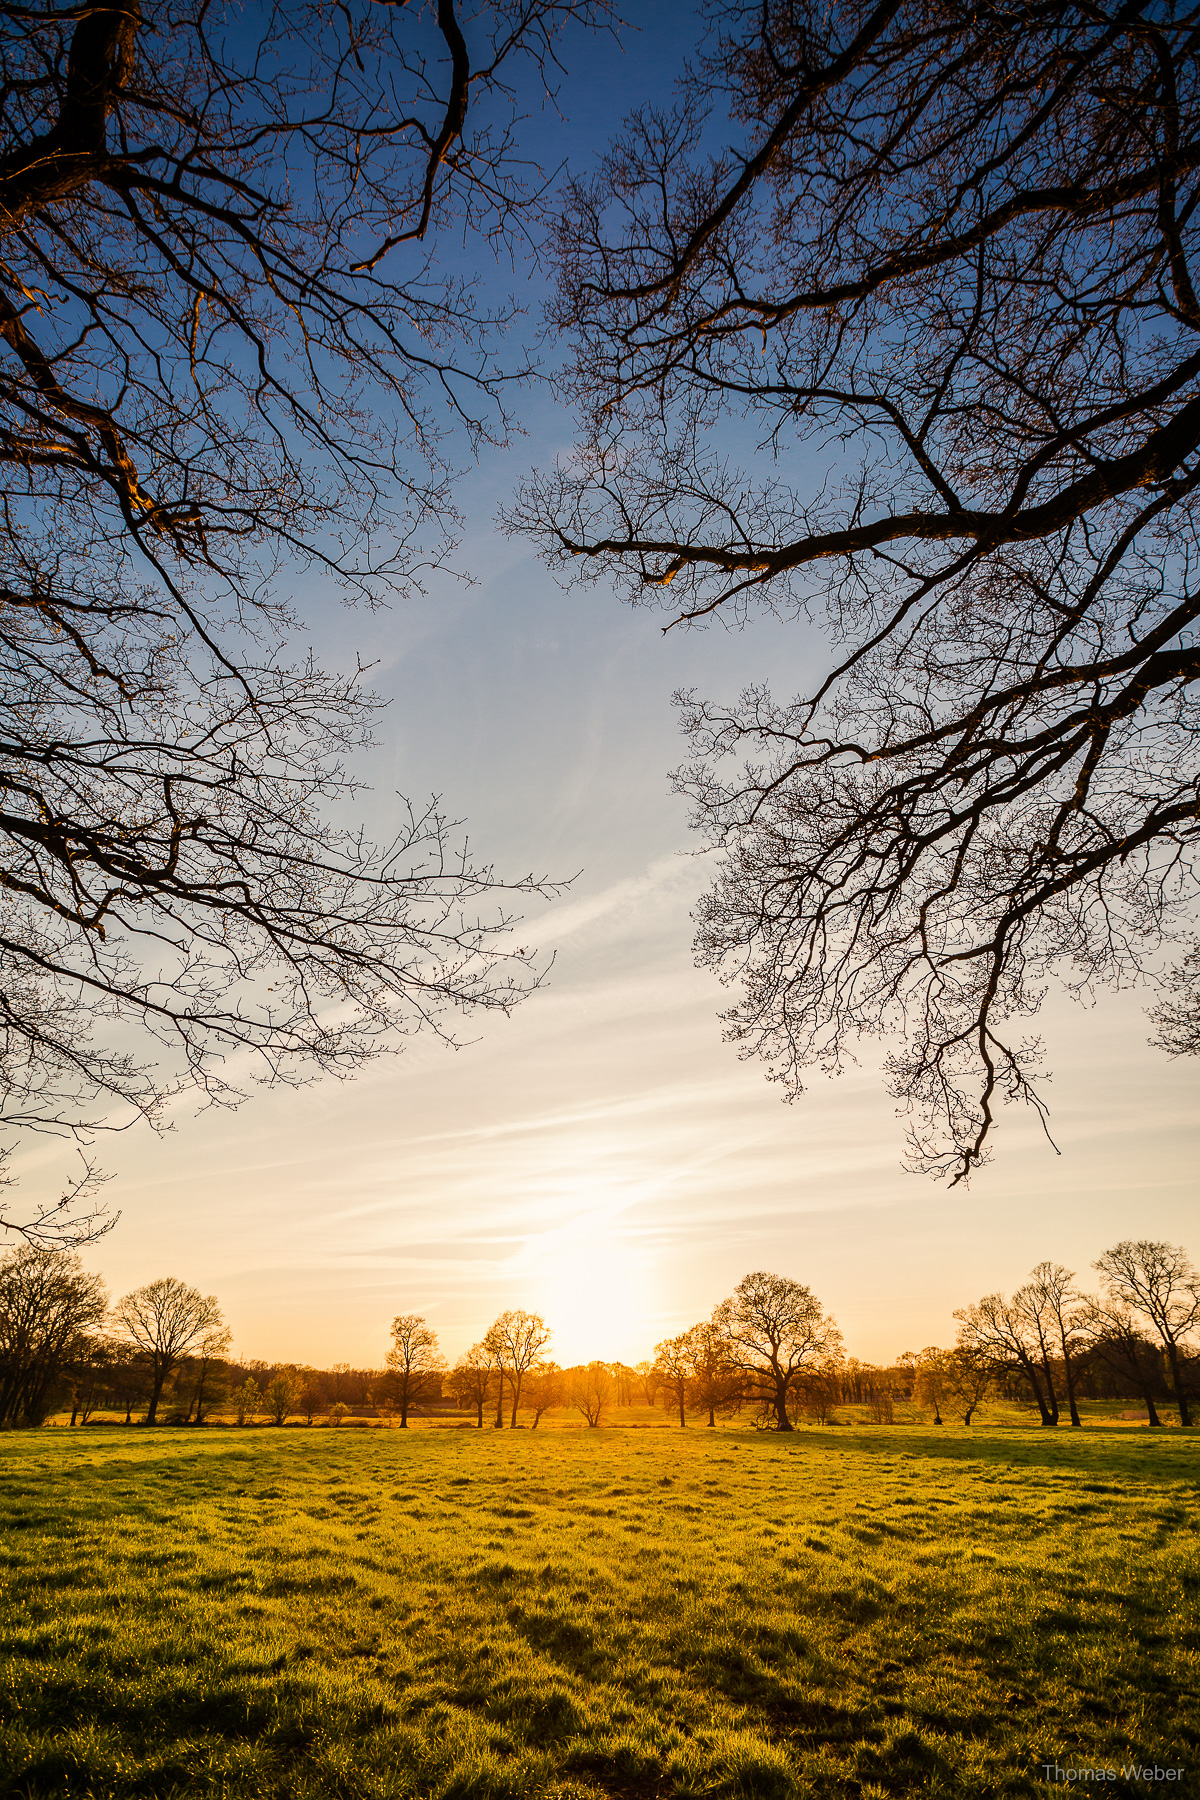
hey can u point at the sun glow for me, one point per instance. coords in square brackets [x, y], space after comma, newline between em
[595, 1283]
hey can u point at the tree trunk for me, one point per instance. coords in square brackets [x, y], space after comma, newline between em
[1139, 1376]
[1121, 1355]
[74, 1405]
[160, 1379]
[712, 1417]
[1185, 1417]
[479, 1411]
[1031, 1376]
[682, 1416]
[1076, 1421]
[516, 1399]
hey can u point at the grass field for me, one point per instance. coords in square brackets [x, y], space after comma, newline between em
[476, 1615]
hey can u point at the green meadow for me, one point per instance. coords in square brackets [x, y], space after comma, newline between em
[473, 1615]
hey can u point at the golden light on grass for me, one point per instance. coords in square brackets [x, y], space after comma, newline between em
[462, 1615]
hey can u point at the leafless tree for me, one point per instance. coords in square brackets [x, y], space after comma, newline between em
[959, 1378]
[1116, 1339]
[717, 1383]
[1017, 1337]
[920, 350]
[647, 1379]
[415, 1363]
[1160, 1282]
[970, 1381]
[129, 1379]
[233, 357]
[164, 1321]
[49, 1308]
[1060, 1305]
[880, 1397]
[544, 1388]
[626, 1379]
[817, 1391]
[928, 1377]
[311, 1395]
[471, 1380]
[776, 1328]
[516, 1341]
[91, 1371]
[673, 1370]
[590, 1387]
[210, 1350]
[279, 1399]
[247, 1398]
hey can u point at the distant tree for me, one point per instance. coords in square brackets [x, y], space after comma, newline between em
[338, 1411]
[591, 1388]
[648, 1380]
[1011, 1337]
[1158, 1281]
[969, 1382]
[516, 1341]
[1031, 1308]
[717, 1383]
[544, 1388]
[279, 1399]
[1116, 1339]
[91, 1375]
[471, 1379]
[246, 1400]
[818, 1390]
[49, 1308]
[415, 1363]
[673, 1370]
[311, 1396]
[776, 1328]
[928, 1369]
[165, 1320]
[957, 1380]
[880, 1397]
[130, 1378]
[203, 1365]
[1060, 1306]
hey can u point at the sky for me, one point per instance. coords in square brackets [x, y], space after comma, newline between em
[602, 1157]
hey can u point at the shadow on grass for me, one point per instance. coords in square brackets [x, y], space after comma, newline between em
[1116, 1450]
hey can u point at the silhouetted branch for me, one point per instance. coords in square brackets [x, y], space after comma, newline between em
[938, 294]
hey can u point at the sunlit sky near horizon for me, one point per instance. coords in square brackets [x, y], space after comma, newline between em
[603, 1157]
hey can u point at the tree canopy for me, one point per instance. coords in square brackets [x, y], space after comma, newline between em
[240, 348]
[891, 317]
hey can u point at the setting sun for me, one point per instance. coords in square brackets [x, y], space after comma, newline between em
[593, 1277]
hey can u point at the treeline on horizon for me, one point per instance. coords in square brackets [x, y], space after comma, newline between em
[162, 1355]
